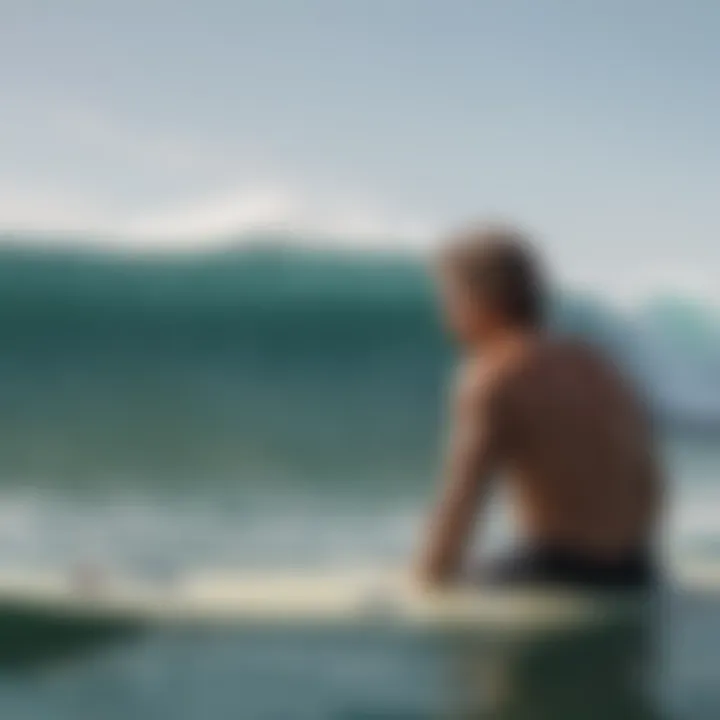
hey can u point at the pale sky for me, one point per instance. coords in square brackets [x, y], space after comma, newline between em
[594, 123]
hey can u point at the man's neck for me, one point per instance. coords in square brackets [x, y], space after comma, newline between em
[507, 341]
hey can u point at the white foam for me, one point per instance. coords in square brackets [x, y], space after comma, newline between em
[209, 222]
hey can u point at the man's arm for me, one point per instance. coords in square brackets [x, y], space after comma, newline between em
[471, 458]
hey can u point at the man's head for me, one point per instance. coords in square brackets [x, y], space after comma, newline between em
[491, 283]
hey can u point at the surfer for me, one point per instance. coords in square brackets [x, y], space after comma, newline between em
[557, 421]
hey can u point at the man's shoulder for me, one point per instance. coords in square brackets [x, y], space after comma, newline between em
[479, 382]
[578, 350]
[593, 362]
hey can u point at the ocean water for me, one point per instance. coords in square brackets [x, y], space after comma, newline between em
[264, 406]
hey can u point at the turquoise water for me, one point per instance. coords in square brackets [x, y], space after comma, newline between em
[279, 408]
[658, 664]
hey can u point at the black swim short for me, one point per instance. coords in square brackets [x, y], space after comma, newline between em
[556, 566]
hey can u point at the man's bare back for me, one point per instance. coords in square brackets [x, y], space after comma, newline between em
[576, 448]
[563, 428]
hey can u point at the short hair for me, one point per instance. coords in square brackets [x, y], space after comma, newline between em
[499, 266]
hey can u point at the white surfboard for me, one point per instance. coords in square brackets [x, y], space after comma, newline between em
[331, 596]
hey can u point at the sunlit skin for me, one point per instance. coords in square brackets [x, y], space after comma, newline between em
[557, 422]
